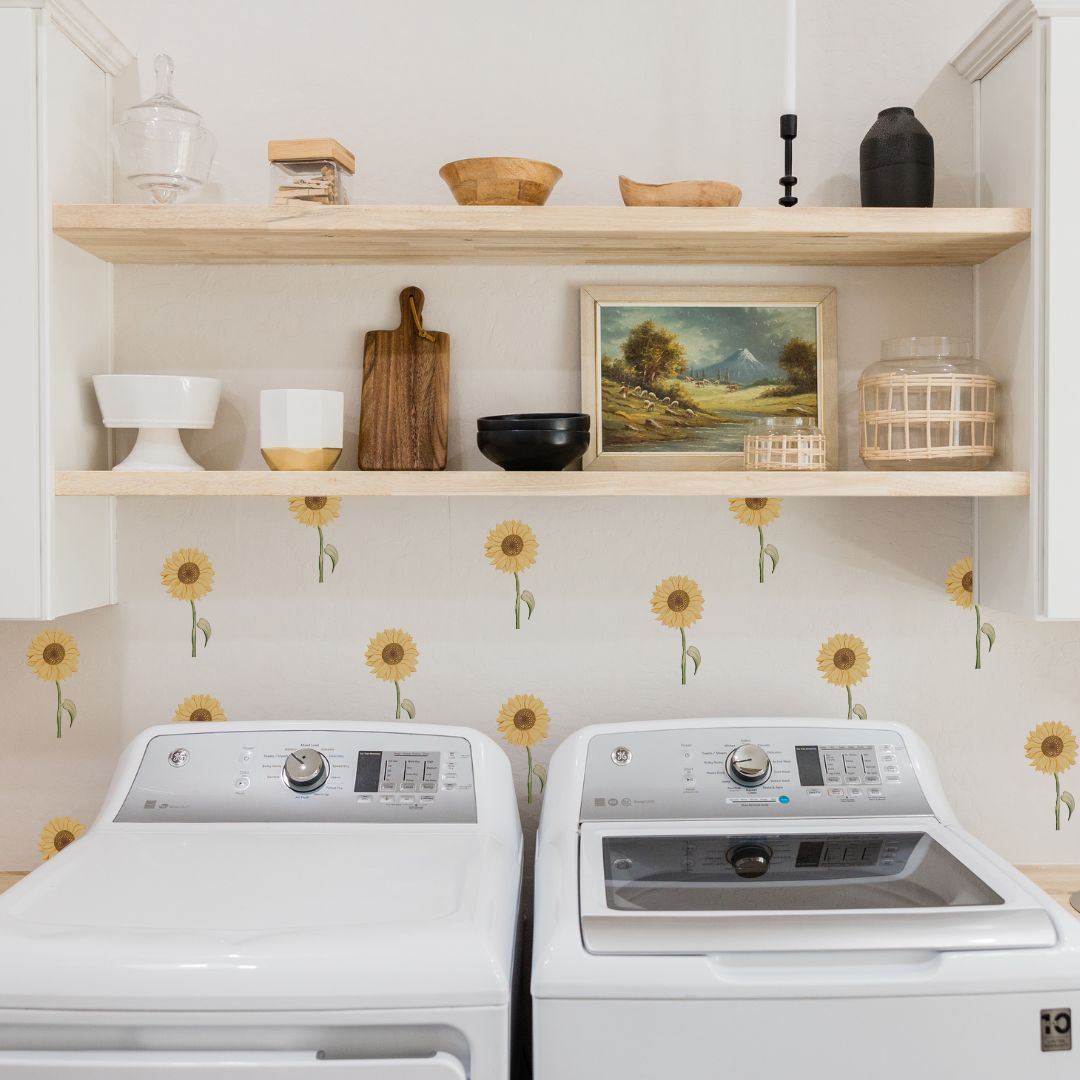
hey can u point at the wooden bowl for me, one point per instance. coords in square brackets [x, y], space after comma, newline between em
[500, 181]
[680, 193]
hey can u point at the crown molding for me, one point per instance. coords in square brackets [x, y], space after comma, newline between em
[1006, 28]
[78, 23]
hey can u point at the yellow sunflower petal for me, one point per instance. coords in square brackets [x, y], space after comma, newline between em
[1051, 748]
[523, 720]
[315, 510]
[755, 512]
[199, 708]
[57, 834]
[960, 582]
[844, 660]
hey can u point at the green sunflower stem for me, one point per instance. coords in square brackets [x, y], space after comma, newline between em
[529, 779]
[682, 634]
[59, 709]
[322, 551]
[850, 706]
[1057, 802]
[978, 638]
[194, 621]
[397, 694]
[517, 603]
[761, 556]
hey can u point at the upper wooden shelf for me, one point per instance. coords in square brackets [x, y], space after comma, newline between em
[594, 482]
[850, 236]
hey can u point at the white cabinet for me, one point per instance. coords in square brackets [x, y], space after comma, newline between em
[56, 69]
[1025, 67]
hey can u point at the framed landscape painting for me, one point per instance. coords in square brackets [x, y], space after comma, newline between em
[674, 375]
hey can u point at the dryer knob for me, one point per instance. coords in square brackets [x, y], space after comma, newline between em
[749, 765]
[305, 770]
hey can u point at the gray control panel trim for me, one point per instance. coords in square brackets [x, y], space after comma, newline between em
[680, 774]
[203, 775]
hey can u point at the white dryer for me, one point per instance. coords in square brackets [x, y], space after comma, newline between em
[287, 901]
[784, 897]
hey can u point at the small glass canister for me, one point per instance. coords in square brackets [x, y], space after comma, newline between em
[309, 171]
[927, 404]
[785, 444]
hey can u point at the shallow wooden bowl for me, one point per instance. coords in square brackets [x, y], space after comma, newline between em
[500, 181]
[680, 193]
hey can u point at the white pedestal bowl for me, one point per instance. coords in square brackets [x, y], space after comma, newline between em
[159, 406]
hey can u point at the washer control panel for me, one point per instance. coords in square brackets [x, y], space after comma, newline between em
[688, 773]
[202, 775]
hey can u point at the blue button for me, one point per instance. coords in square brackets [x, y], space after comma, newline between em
[784, 799]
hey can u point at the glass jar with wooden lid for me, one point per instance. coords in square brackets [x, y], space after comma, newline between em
[309, 171]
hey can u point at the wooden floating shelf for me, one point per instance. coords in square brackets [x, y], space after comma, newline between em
[844, 236]
[595, 482]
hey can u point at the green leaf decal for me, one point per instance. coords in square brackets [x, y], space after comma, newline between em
[408, 707]
[541, 774]
[1069, 801]
[695, 654]
[529, 599]
[990, 634]
[859, 711]
[774, 556]
[334, 556]
[69, 707]
[204, 626]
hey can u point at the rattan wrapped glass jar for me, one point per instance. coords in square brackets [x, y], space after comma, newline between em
[927, 404]
[784, 444]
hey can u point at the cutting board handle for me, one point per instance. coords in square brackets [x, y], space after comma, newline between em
[412, 309]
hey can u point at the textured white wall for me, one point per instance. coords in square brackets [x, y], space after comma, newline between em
[656, 90]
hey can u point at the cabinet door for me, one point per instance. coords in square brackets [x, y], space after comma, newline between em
[24, 481]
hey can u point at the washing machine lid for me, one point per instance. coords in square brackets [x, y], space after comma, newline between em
[701, 888]
[246, 916]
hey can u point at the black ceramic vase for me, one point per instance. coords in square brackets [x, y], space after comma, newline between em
[896, 161]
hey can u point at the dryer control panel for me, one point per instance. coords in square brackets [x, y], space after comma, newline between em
[203, 775]
[751, 772]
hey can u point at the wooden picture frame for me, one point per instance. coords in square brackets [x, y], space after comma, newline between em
[677, 421]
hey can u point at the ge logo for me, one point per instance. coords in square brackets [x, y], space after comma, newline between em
[1056, 1029]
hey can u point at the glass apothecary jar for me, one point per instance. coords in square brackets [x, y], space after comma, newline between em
[928, 403]
[161, 145]
[309, 171]
[784, 444]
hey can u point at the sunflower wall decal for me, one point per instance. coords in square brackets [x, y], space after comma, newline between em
[524, 721]
[53, 656]
[511, 547]
[844, 660]
[1051, 749]
[317, 511]
[392, 656]
[677, 602]
[58, 834]
[188, 574]
[757, 513]
[199, 709]
[960, 585]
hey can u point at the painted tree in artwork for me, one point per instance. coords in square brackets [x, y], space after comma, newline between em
[653, 353]
[798, 361]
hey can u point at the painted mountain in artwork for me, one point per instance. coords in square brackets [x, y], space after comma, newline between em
[741, 367]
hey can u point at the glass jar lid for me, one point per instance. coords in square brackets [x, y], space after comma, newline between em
[911, 348]
[162, 105]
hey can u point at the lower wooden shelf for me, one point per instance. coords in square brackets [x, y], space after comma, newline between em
[594, 482]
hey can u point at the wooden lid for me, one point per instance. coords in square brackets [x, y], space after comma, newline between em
[311, 150]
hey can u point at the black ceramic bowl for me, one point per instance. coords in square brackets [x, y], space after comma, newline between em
[535, 421]
[536, 449]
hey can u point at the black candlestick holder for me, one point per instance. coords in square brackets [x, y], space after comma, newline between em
[789, 128]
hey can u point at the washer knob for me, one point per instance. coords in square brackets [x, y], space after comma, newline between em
[750, 860]
[305, 770]
[749, 765]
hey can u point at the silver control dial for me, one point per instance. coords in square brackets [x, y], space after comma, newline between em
[305, 770]
[750, 860]
[749, 765]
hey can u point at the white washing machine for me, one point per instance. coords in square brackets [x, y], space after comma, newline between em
[288, 901]
[784, 897]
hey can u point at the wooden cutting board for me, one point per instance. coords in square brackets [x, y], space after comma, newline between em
[405, 397]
